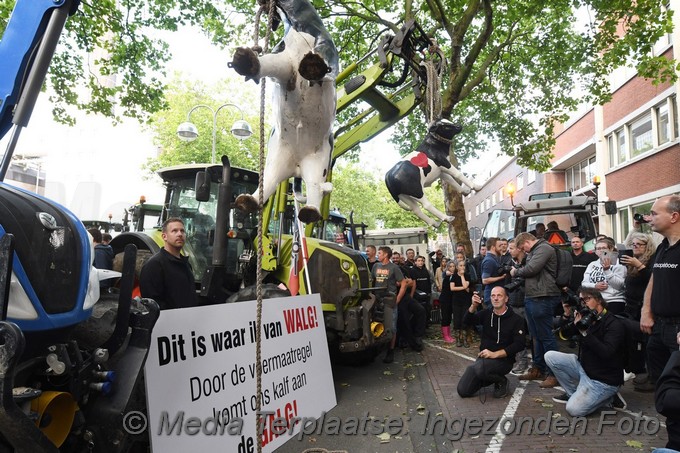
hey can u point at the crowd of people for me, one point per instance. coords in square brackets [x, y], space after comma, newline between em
[619, 309]
[618, 312]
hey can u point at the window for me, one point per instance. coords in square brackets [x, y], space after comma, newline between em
[664, 132]
[502, 226]
[531, 176]
[500, 194]
[580, 175]
[653, 128]
[520, 181]
[476, 210]
[469, 216]
[493, 199]
[487, 203]
[511, 223]
[641, 135]
[666, 40]
[621, 145]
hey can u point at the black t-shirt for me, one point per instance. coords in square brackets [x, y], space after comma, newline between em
[580, 263]
[446, 293]
[422, 278]
[636, 286]
[169, 281]
[461, 297]
[666, 272]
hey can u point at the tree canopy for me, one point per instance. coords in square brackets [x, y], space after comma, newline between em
[514, 69]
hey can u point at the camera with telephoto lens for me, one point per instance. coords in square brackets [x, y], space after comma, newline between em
[567, 328]
[504, 269]
[570, 298]
[514, 285]
[639, 218]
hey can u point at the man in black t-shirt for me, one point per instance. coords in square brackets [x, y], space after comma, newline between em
[167, 277]
[580, 260]
[421, 276]
[660, 315]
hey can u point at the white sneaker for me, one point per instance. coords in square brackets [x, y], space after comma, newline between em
[618, 402]
[628, 376]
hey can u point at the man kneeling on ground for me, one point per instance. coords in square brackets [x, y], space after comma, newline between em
[591, 380]
[503, 336]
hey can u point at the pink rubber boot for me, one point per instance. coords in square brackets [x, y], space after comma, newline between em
[446, 333]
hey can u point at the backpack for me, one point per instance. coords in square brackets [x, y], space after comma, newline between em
[564, 265]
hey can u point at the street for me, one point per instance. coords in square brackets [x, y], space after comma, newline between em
[415, 399]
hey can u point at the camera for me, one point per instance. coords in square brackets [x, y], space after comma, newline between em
[570, 298]
[504, 269]
[568, 328]
[588, 318]
[515, 284]
[639, 218]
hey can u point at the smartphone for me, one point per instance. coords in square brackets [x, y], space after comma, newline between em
[627, 252]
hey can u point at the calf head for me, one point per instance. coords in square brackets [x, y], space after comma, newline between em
[444, 128]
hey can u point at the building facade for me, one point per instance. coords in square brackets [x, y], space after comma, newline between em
[632, 143]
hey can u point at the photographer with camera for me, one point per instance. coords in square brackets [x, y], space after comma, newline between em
[541, 300]
[515, 291]
[592, 379]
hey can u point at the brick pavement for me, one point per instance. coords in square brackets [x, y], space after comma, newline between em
[530, 409]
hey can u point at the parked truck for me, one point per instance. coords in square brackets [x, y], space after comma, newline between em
[573, 214]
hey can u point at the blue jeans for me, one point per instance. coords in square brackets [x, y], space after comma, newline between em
[539, 314]
[585, 394]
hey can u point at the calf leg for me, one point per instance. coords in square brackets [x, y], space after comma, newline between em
[432, 209]
[409, 204]
[459, 176]
[277, 65]
[314, 170]
[453, 183]
[279, 167]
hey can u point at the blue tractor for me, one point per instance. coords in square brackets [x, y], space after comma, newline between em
[67, 378]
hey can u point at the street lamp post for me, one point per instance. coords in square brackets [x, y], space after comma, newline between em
[188, 131]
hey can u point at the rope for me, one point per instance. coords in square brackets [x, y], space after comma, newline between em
[432, 92]
[260, 188]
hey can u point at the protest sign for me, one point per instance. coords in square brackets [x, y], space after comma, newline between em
[201, 375]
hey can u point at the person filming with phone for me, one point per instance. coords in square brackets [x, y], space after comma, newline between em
[607, 275]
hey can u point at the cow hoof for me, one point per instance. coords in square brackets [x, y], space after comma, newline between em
[246, 203]
[313, 67]
[245, 63]
[309, 214]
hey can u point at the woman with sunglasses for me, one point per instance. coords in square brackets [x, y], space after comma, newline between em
[638, 273]
[607, 276]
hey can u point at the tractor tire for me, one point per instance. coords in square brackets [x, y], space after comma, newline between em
[269, 291]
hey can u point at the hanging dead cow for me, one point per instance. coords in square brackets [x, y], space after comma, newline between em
[304, 66]
[419, 169]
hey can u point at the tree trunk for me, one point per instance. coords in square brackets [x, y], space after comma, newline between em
[453, 201]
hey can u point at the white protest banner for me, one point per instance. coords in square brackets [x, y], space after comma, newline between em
[201, 375]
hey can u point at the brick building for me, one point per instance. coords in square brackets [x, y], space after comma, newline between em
[632, 143]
